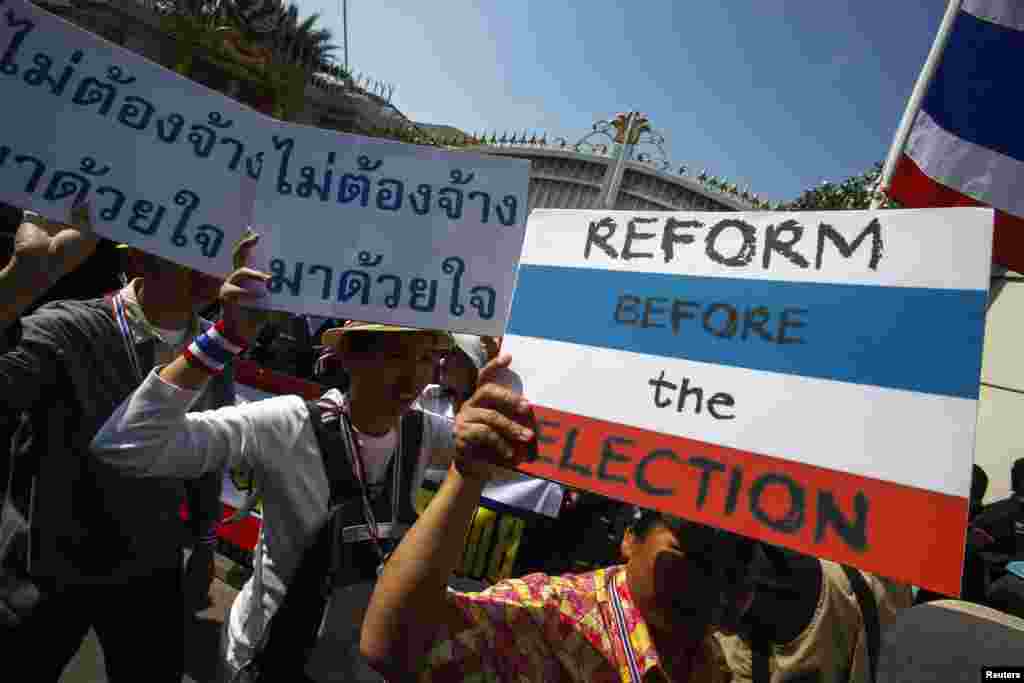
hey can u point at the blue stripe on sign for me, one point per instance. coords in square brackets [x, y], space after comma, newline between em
[976, 93]
[926, 340]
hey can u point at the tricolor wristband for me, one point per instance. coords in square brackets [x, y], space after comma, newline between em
[212, 350]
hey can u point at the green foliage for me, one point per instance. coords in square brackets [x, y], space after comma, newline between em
[280, 82]
[855, 192]
[418, 136]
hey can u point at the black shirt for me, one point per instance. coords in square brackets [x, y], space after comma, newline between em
[1004, 521]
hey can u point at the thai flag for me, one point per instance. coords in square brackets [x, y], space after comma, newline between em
[841, 427]
[965, 147]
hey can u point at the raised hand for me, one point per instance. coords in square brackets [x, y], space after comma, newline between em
[243, 286]
[45, 251]
[494, 427]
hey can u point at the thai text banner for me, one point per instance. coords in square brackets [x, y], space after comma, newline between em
[379, 230]
[808, 379]
[352, 227]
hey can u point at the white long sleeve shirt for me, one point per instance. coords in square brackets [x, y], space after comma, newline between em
[153, 434]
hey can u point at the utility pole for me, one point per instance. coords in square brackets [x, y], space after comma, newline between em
[615, 177]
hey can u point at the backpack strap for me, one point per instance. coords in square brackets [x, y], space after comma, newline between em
[760, 653]
[340, 479]
[412, 441]
[869, 612]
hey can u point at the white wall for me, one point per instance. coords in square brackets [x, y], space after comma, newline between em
[1000, 438]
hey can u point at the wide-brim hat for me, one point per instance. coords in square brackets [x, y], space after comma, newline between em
[331, 337]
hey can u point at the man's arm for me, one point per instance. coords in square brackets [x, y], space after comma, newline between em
[153, 434]
[409, 604]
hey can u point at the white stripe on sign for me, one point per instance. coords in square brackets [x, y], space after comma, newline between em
[959, 247]
[816, 422]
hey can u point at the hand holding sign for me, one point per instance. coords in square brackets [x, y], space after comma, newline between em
[494, 427]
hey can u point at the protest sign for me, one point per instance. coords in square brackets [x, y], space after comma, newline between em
[162, 160]
[351, 227]
[370, 229]
[807, 379]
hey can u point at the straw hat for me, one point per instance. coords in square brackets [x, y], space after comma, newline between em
[332, 337]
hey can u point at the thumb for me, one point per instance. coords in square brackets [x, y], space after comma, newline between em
[493, 369]
[244, 248]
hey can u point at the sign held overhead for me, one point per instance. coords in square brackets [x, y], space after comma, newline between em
[808, 379]
[352, 227]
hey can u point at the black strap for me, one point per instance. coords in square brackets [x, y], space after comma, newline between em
[761, 651]
[412, 439]
[869, 612]
[341, 482]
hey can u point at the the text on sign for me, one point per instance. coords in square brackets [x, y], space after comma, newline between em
[785, 240]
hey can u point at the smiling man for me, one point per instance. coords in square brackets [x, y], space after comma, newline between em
[360, 455]
[648, 620]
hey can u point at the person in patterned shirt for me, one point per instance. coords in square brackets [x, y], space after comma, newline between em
[646, 621]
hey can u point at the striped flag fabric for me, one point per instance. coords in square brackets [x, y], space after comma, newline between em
[806, 379]
[966, 146]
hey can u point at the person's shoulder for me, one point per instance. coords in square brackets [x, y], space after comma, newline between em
[581, 588]
[997, 512]
[66, 316]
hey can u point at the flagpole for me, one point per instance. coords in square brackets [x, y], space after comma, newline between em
[916, 98]
[344, 28]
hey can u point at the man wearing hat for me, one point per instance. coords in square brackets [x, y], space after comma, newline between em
[299, 450]
[104, 548]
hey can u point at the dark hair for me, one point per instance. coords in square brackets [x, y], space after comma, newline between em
[979, 484]
[1017, 476]
[740, 548]
[365, 341]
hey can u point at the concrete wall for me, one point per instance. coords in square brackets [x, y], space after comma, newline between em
[1001, 408]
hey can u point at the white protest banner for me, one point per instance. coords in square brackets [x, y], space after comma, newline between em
[351, 227]
[807, 379]
[368, 229]
[162, 160]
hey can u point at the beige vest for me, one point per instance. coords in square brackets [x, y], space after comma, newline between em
[834, 642]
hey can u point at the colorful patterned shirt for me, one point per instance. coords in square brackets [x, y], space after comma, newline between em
[556, 629]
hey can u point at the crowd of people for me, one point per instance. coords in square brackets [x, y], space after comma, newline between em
[122, 405]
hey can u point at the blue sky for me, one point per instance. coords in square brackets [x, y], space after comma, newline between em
[777, 94]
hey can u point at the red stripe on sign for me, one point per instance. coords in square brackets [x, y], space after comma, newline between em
[251, 373]
[897, 531]
[914, 189]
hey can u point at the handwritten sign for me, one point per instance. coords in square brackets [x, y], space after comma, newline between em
[808, 379]
[162, 159]
[352, 227]
[378, 230]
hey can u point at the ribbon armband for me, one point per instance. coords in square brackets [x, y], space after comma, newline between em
[212, 350]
